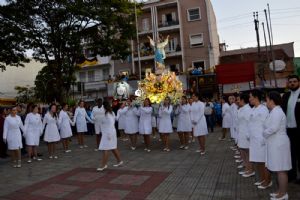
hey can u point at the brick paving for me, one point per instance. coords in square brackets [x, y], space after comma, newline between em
[158, 175]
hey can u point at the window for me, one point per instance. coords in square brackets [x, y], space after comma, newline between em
[91, 76]
[146, 25]
[105, 73]
[196, 40]
[82, 76]
[172, 45]
[194, 14]
[199, 64]
[169, 19]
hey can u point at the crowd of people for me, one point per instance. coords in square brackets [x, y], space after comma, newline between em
[265, 130]
[266, 135]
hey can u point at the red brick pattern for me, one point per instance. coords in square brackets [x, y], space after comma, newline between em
[87, 184]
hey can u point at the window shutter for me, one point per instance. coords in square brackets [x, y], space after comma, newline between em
[173, 16]
[163, 19]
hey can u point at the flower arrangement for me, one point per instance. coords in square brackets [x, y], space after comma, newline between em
[158, 87]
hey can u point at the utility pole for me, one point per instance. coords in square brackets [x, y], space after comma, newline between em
[138, 41]
[271, 49]
[256, 23]
[271, 29]
[266, 44]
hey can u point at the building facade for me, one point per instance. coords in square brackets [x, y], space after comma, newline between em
[193, 38]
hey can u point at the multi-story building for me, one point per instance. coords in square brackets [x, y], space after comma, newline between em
[192, 30]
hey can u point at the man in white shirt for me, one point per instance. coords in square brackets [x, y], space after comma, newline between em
[208, 112]
[291, 107]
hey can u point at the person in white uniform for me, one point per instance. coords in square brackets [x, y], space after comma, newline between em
[145, 126]
[243, 140]
[32, 133]
[233, 112]
[165, 123]
[65, 127]
[226, 118]
[97, 115]
[184, 127]
[12, 136]
[122, 121]
[109, 137]
[80, 118]
[199, 122]
[132, 125]
[278, 157]
[51, 135]
[257, 148]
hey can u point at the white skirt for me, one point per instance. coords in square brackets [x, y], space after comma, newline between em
[32, 137]
[108, 141]
[226, 122]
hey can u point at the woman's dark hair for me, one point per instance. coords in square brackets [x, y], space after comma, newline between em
[54, 114]
[256, 94]
[245, 97]
[34, 106]
[148, 101]
[196, 95]
[107, 107]
[63, 105]
[275, 97]
[80, 102]
[185, 99]
[29, 108]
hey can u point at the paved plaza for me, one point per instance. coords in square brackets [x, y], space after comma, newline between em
[158, 175]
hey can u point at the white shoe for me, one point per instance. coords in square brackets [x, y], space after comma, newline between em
[237, 156]
[221, 139]
[284, 197]
[265, 187]
[202, 153]
[240, 166]
[133, 148]
[119, 164]
[80, 147]
[55, 157]
[246, 175]
[186, 147]
[50, 157]
[85, 146]
[39, 159]
[242, 172]
[258, 183]
[19, 166]
[145, 149]
[198, 151]
[68, 151]
[101, 168]
[29, 161]
[238, 161]
[148, 150]
[166, 149]
[274, 194]
[181, 147]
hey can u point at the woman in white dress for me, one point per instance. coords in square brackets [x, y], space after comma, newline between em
[243, 117]
[97, 115]
[132, 125]
[199, 122]
[278, 157]
[32, 133]
[145, 126]
[65, 127]
[109, 137]
[51, 135]
[226, 118]
[80, 118]
[257, 147]
[122, 121]
[13, 137]
[165, 123]
[184, 127]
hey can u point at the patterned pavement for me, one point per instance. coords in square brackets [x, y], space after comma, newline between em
[158, 175]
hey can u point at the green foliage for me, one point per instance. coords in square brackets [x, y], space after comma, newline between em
[26, 94]
[54, 29]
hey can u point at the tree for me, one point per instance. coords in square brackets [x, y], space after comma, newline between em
[55, 29]
[25, 94]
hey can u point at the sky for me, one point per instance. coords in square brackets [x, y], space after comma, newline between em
[236, 26]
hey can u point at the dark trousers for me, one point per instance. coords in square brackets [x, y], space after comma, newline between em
[294, 135]
[3, 149]
[210, 122]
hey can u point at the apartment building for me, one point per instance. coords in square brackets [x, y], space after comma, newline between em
[193, 38]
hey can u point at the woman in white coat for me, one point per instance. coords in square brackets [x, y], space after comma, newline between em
[13, 137]
[226, 120]
[165, 123]
[184, 127]
[132, 125]
[97, 115]
[65, 127]
[32, 133]
[257, 148]
[199, 122]
[243, 117]
[51, 135]
[80, 118]
[278, 157]
[109, 137]
[122, 121]
[145, 126]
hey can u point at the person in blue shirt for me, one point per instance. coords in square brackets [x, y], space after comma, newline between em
[218, 112]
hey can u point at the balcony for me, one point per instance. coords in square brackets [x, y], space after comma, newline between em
[95, 86]
[168, 25]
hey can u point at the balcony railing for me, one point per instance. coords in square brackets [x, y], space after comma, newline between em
[168, 23]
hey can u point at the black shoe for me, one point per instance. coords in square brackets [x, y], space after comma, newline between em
[297, 181]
